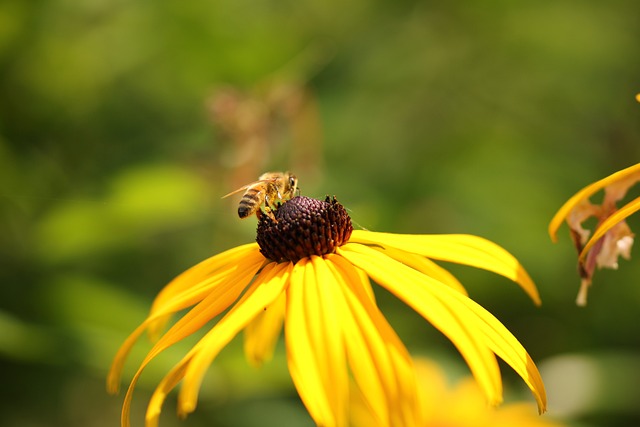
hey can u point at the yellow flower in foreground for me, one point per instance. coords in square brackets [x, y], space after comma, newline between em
[611, 237]
[463, 405]
[310, 273]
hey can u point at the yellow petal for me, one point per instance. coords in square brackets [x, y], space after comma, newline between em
[606, 225]
[115, 373]
[584, 194]
[361, 414]
[507, 347]
[424, 265]
[217, 300]
[328, 332]
[417, 291]
[366, 283]
[380, 363]
[494, 334]
[263, 292]
[204, 270]
[192, 321]
[459, 248]
[315, 347]
[168, 383]
[261, 334]
[192, 285]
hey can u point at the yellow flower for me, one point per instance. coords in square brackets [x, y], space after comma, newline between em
[310, 272]
[463, 405]
[611, 237]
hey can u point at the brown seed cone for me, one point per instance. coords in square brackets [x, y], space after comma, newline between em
[304, 227]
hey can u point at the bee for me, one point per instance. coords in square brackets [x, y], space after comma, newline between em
[271, 189]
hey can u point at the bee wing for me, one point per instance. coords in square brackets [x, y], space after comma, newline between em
[244, 187]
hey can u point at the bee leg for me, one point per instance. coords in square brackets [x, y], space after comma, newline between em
[270, 206]
[268, 212]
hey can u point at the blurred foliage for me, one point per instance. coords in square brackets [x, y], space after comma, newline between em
[123, 123]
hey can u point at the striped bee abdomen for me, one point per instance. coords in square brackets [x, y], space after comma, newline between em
[250, 202]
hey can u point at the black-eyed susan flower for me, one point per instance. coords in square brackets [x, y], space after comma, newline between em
[611, 237]
[309, 272]
[462, 404]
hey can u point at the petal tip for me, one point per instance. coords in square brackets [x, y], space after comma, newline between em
[113, 387]
[113, 381]
[185, 408]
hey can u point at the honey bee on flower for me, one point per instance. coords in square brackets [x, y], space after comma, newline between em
[314, 275]
[271, 189]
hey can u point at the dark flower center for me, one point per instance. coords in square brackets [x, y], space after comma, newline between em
[304, 227]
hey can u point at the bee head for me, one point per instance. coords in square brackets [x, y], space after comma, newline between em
[292, 182]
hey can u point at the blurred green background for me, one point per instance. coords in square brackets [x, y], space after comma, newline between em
[123, 123]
